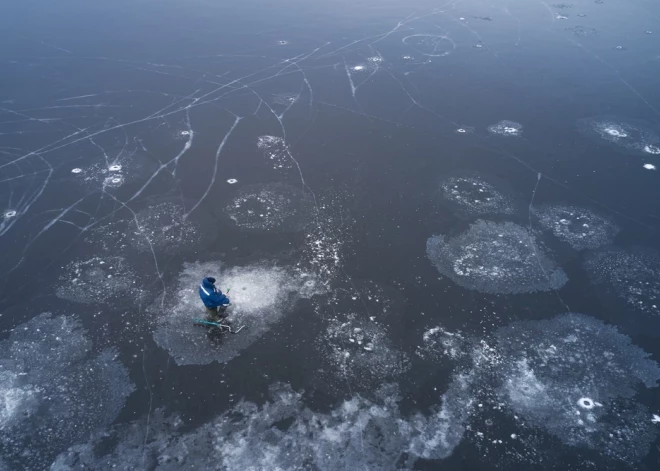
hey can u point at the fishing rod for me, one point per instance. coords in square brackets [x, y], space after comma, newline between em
[223, 327]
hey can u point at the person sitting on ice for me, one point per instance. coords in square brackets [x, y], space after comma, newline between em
[216, 303]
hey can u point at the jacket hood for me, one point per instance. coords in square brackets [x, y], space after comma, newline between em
[208, 283]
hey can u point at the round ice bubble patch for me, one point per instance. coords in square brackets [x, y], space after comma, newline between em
[506, 128]
[586, 403]
[633, 135]
[498, 258]
[430, 45]
[615, 131]
[580, 227]
[631, 275]
[474, 194]
[275, 206]
[113, 181]
[541, 364]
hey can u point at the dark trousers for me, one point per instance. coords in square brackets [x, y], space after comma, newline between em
[216, 314]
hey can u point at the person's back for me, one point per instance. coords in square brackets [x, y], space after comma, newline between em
[213, 299]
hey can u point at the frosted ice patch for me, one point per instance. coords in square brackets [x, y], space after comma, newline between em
[275, 152]
[271, 207]
[655, 419]
[16, 399]
[260, 295]
[281, 434]
[575, 377]
[439, 344]
[163, 227]
[632, 275]
[98, 280]
[268, 142]
[326, 237]
[580, 227]
[633, 135]
[649, 166]
[355, 347]
[10, 213]
[76, 170]
[54, 392]
[160, 226]
[471, 194]
[572, 377]
[358, 68]
[360, 353]
[436, 436]
[114, 168]
[430, 45]
[495, 258]
[506, 128]
[323, 247]
[232, 181]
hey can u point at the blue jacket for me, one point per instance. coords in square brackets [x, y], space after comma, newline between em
[211, 296]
